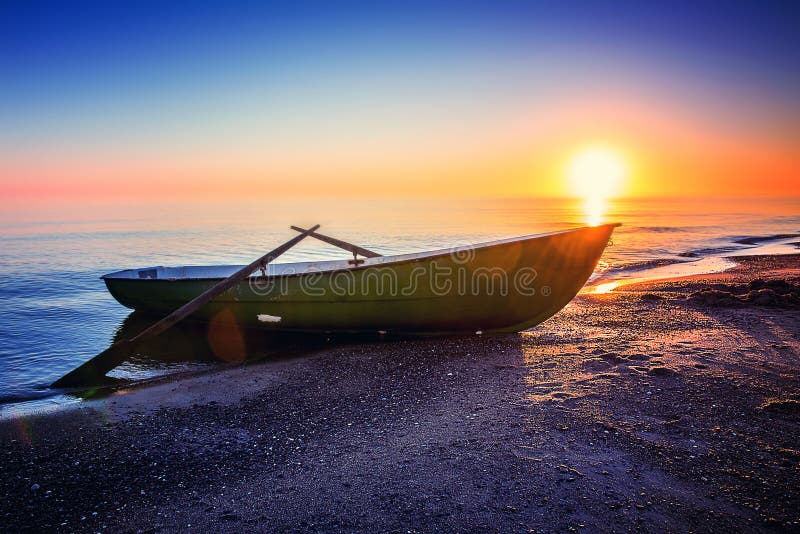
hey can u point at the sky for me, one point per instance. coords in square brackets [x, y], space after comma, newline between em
[225, 99]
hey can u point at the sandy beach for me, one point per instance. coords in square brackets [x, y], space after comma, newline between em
[667, 405]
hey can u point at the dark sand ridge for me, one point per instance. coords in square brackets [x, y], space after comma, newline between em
[643, 408]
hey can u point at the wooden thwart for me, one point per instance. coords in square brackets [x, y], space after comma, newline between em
[355, 249]
[93, 370]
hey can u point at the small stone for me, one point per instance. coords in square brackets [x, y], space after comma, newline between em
[35, 487]
[785, 406]
[661, 371]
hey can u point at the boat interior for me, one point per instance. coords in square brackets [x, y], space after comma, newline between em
[201, 272]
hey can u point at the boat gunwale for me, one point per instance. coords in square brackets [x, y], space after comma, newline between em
[400, 259]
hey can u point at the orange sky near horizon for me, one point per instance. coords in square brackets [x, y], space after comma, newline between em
[490, 102]
[667, 154]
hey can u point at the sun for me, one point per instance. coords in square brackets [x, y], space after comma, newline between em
[596, 173]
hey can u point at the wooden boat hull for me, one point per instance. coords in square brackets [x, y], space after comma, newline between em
[503, 286]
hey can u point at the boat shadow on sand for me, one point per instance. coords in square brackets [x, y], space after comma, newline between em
[193, 347]
[223, 340]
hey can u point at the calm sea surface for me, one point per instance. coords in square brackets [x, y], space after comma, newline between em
[55, 312]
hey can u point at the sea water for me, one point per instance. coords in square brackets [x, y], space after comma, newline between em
[55, 312]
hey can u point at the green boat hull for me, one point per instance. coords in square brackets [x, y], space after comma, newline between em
[504, 286]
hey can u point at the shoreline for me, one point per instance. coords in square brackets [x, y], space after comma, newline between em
[709, 263]
[607, 281]
[41, 399]
[648, 408]
[640, 272]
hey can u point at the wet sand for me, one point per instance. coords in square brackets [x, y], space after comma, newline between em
[651, 407]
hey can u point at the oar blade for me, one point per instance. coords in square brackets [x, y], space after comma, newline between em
[94, 370]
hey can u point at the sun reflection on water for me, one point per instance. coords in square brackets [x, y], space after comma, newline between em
[594, 209]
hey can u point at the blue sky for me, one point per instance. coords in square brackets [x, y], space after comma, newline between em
[78, 77]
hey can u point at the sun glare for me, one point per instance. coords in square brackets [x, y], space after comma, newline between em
[596, 174]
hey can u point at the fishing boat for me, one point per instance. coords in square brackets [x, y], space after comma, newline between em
[501, 286]
[506, 285]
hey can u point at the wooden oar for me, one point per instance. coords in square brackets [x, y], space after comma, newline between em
[91, 371]
[355, 249]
